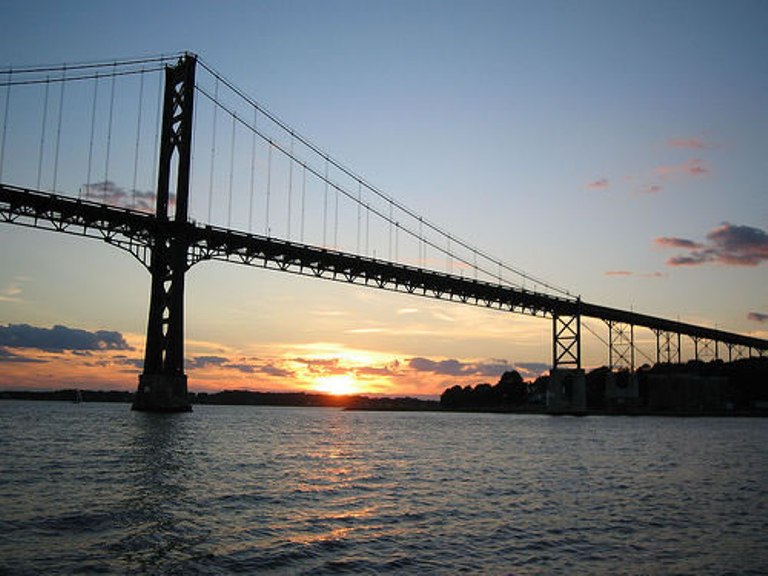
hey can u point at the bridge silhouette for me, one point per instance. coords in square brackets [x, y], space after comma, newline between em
[258, 170]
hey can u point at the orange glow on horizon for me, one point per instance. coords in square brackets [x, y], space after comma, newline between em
[337, 385]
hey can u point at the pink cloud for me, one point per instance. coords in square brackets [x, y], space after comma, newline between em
[670, 242]
[639, 275]
[728, 244]
[693, 167]
[652, 189]
[690, 143]
[600, 184]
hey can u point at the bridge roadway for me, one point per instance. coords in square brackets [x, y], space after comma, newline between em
[134, 231]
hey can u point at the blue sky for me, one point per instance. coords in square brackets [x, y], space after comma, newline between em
[613, 148]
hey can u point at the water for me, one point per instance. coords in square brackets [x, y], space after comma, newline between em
[96, 488]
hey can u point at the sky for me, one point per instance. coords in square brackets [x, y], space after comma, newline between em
[613, 148]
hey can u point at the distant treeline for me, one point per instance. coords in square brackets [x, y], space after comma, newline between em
[235, 397]
[68, 395]
[741, 385]
[510, 391]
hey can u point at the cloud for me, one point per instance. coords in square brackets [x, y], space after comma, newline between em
[627, 273]
[452, 367]
[757, 317]
[671, 242]
[739, 245]
[444, 367]
[110, 193]
[272, 370]
[532, 369]
[689, 143]
[8, 356]
[600, 184]
[375, 371]
[651, 189]
[60, 338]
[407, 311]
[728, 244]
[693, 167]
[222, 362]
[321, 365]
[206, 361]
[12, 292]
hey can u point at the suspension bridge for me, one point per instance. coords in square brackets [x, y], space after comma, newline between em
[167, 159]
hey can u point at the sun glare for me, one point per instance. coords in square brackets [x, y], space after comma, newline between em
[337, 385]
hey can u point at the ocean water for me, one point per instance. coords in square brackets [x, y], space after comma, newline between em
[96, 488]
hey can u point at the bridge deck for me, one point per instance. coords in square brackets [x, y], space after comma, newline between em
[135, 231]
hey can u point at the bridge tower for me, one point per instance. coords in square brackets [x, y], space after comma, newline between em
[163, 383]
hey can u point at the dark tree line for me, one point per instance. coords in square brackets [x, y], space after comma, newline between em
[510, 390]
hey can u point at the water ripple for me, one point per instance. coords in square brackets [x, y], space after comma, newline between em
[228, 490]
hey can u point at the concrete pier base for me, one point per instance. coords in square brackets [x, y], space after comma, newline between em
[567, 390]
[162, 393]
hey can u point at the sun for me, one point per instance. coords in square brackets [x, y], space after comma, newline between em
[338, 385]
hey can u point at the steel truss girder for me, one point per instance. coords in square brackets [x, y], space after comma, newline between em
[738, 352]
[668, 347]
[705, 349]
[566, 341]
[621, 345]
[136, 231]
[211, 243]
[129, 230]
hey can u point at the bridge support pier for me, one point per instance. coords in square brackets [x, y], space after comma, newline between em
[567, 390]
[162, 393]
[163, 384]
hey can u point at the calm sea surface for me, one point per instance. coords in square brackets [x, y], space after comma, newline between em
[96, 488]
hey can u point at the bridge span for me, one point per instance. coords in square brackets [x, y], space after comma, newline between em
[168, 242]
[135, 231]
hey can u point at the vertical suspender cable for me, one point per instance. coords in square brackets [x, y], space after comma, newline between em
[136, 144]
[138, 137]
[42, 134]
[367, 227]
[253, 169]
[389, 254]
[58, 128]
[336, 220]
[269, 186]
[421, 242]
[425, 243]
[397, 237]
[303, 197]
[213, 148]
[193, 172]
[158, 108]
[93, 131]
[109, 132]
[231, 172]
[5, 123]
[359, 214]
[290, 187]
[325, 205]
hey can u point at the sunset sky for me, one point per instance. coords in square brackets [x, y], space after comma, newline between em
[615, 148]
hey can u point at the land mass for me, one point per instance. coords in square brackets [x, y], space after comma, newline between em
[713, 388]
[235, 398]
